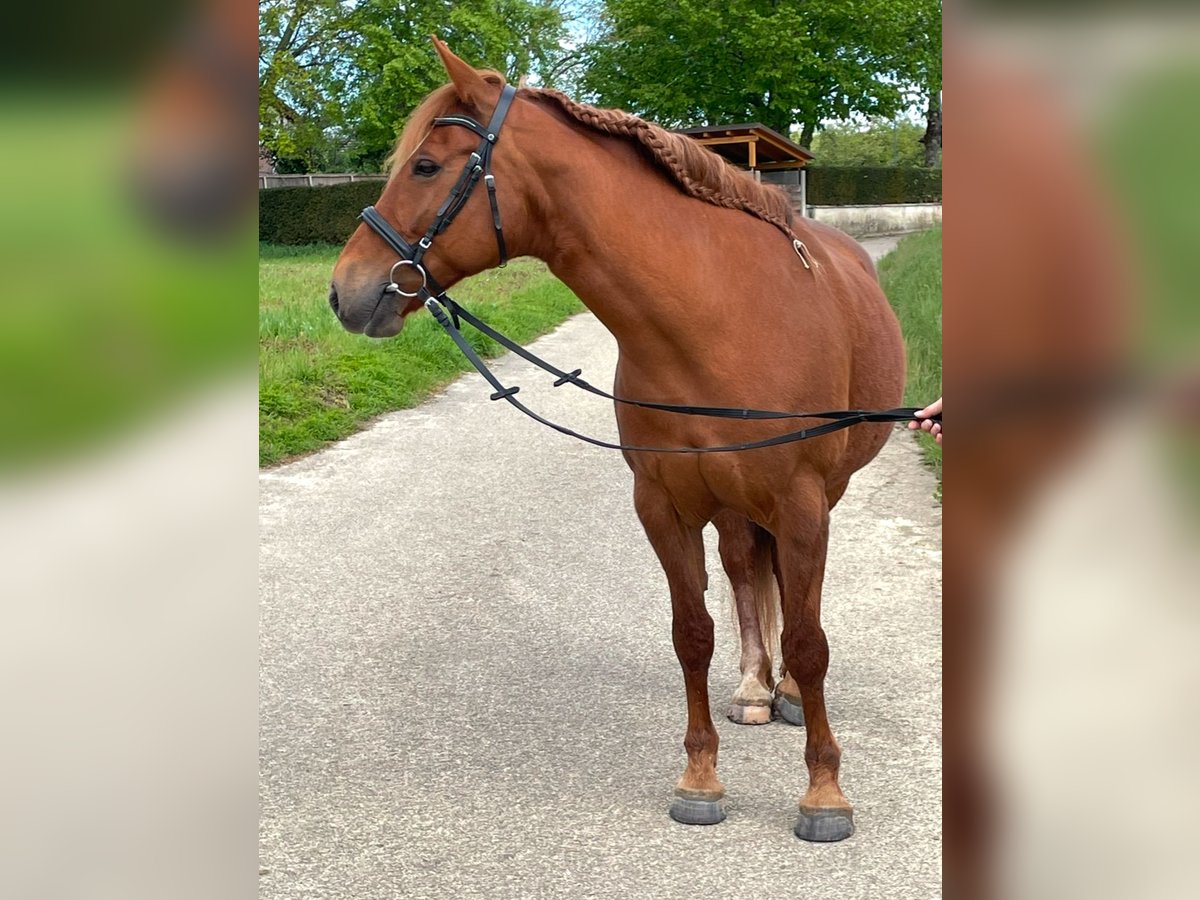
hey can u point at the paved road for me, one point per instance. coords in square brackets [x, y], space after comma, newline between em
[468, 687]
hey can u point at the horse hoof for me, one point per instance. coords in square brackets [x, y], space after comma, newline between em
[828, 824]
[697, 812]
[789, 710]
[749, 714]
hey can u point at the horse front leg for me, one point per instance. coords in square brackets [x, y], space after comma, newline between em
[802, 538]
[699, 796]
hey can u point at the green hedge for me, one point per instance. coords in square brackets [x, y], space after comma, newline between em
[329, 215]
[871, 185]
[314, 215]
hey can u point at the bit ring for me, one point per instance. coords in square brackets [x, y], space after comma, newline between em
[393, 288]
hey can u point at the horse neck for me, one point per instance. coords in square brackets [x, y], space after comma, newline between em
[624, 238]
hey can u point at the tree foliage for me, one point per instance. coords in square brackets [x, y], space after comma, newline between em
[924, 41]
[515, 37]
[300, 79]
[779, 62]
[882, 143]
[338, 78]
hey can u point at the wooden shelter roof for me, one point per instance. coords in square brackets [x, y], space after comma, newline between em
[751, 145]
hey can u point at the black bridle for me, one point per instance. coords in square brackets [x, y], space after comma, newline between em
[478, 167]
[439, 303]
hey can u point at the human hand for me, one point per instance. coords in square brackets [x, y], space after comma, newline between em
[921, 420]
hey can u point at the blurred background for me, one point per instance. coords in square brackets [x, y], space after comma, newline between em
[1071, 349]
[127, 450]
[128, 485]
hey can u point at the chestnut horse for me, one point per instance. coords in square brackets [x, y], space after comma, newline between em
[692, 267]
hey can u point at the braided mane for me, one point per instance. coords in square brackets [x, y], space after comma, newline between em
[698, 171]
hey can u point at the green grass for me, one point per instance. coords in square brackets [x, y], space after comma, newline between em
[912, 279]
[318, 383]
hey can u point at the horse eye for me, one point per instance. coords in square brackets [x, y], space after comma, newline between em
[426, 168]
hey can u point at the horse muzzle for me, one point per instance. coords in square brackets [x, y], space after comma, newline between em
[375, 314]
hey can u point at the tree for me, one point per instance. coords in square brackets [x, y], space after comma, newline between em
[302, 54]
[932, 139]
[396, 66]
[924, 70]
[883, 143]
[779, 62]
[338, 78]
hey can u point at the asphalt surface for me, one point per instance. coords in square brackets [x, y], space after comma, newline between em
[468, 688]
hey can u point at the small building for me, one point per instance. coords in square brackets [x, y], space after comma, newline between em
[763, 151]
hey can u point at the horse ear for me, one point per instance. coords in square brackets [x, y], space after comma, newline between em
[468, 83]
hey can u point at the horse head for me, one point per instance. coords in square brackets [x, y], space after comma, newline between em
[369, 292]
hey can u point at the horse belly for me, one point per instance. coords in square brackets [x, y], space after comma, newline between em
[751, 482]
[877, 377]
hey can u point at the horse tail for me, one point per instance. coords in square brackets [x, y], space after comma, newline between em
[748, 556]
[766, 593]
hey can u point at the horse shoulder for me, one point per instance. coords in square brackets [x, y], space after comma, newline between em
[839, 244]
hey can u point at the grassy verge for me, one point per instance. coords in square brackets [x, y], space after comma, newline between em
[318, 383]
[912, 279]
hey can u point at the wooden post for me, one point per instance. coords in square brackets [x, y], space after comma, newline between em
[753, 155]
[804, 192]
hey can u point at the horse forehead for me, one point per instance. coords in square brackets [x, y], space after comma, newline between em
[446, 136]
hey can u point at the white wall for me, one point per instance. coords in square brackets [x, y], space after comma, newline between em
[894, 218]
[317, 179]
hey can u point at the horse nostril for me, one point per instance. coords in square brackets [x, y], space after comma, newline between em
[333, 299]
